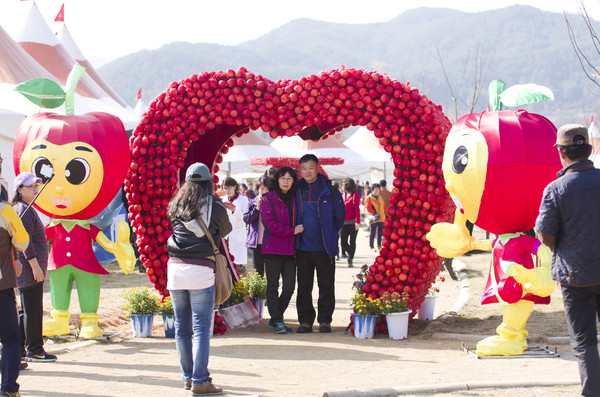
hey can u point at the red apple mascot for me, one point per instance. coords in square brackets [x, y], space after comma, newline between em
[83, 161]
[496, 166]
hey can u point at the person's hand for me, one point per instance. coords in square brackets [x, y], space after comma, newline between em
[38, 274]
[357, 226]
[230, 206]
[298, 229]
[18, 268]
[258, 202]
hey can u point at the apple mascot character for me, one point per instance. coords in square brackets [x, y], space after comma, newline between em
[496, 165]
[82, 160]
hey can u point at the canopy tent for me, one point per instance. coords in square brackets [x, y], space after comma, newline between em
[67, 41]
[594, 135]
[355, 165]
[365, 142]
[37, 40]
[9, 123]
[237, 160]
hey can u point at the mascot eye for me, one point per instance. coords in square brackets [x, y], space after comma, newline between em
[77, 171]
[42, 168]
[460, 159]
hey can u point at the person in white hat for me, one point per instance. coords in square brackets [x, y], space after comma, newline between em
[34, 261]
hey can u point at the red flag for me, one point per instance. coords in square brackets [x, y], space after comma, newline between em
[139, 95]
[60, 17]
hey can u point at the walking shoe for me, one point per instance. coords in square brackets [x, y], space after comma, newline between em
[207, 389]
[23, 365]
[279, 328]
[187, 385]
[350, 262]
[324, 328]
[304, 328]
[10, 393]
[42, 357]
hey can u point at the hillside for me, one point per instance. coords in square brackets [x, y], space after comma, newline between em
[518, 44]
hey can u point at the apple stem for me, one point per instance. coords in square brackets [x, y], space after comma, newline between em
[71, 85]
[496, 88]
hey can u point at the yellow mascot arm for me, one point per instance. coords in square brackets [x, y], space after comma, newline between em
[538, 280]
[453, 239]
[121, 249]
[15, 228]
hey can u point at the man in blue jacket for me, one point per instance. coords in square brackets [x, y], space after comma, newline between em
[322, 213]
[568, 224]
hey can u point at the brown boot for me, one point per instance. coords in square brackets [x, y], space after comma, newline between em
[350, 262]
[207, 389]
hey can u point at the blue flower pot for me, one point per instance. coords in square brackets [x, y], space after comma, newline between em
[169, 325]
[364, 326]
[142, 325]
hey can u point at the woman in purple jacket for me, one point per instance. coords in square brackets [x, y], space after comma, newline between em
[255, 227]
[279, 211]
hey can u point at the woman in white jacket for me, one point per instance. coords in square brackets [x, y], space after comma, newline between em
[237, 205]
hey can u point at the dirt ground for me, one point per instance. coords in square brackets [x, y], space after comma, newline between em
[254, 361]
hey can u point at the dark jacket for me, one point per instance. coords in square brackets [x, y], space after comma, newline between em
[569, 213]
[38, 246]
[331, 210]
[185, 244]
[279, 234]
[251, 217]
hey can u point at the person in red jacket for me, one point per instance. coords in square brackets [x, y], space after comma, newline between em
[352, 221]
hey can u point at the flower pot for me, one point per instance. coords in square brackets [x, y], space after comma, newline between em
[240, 315]
[259, 303]
[169, 325]
[142, 325]
[364, 326]
[397, 324]
[427, 308]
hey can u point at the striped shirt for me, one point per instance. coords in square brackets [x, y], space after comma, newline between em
[38, 246]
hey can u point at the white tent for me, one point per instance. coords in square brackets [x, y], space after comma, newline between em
[41, 44]
[354, 165]
[237, 160]
[9, 123]
[365, 142]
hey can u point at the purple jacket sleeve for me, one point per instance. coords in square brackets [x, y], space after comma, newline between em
[252, 214]
[269, 218]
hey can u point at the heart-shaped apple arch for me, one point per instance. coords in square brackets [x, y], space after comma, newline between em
[196, 118]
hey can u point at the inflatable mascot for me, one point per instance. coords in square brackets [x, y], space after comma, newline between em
[496, 165]
[82, 161]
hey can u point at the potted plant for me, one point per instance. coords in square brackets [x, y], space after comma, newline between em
[257, 289]
[237, 311]
[393, 306]
[427, 309]
[166, 310]
[141, 305]
[366, 312]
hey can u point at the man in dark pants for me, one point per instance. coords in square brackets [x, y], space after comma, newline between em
[568, 224]
[322, 213]
[12, 235]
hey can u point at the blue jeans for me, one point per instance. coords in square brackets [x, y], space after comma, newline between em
[10, 337]
[582, 307]
[193, 310]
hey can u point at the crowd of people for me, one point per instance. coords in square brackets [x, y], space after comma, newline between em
[292, 226]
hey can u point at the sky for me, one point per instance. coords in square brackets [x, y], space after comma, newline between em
[105, 30]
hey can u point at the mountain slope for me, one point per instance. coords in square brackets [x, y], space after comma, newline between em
[518, 44]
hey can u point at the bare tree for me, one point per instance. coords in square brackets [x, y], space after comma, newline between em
[590, 70]
[477, 73]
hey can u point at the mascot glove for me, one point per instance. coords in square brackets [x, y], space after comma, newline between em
[537, 281]
[123, 249]
[453, 239]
